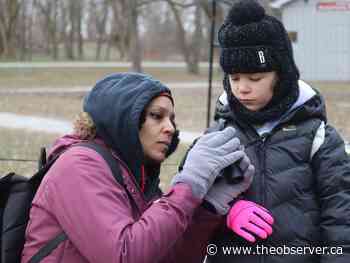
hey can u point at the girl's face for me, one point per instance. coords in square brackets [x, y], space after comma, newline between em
[253, 90]
[158, 129]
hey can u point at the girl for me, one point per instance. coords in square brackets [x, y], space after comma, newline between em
[302, 170]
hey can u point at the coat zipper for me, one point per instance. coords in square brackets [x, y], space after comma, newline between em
[262, 155]
[263, 164]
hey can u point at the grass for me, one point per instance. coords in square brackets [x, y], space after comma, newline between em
[42, 105]
[69, 77]
[89, 54]
[170, 166]
[22, 144]
[337, 97]
[332, 86]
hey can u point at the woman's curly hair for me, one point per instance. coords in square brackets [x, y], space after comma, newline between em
[84, 126]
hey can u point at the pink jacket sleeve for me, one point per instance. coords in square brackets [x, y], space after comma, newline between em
[97, 217]
[192, 245]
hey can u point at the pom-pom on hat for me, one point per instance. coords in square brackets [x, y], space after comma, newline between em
[252, 41]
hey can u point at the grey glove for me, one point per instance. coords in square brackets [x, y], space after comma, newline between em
[222, 193]
[211, 153]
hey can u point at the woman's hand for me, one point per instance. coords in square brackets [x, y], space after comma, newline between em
[222, 193]
[208, 157]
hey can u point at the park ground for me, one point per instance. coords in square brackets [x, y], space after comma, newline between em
[190, 106]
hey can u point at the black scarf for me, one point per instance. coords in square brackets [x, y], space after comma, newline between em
[286, 93]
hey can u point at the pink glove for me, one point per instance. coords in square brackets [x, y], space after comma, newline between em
[246, 217]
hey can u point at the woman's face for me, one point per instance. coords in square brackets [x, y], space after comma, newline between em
[253, 90]
[158, 129]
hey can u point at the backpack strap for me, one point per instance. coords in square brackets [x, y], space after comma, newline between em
[113, 165]
[108, 157]
[111, 161]
[48, 248]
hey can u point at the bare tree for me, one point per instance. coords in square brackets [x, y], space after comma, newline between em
[30, 30]
[78, 15]
[70, 26]
[28, 26]
[126, 30]
[195, 47]
[181, 33]
[99, 14]
[190, 46]
[159, 33]
[120, 34]
[65, 29]
[22, 37]
[219, 16]
[72, 17]
[49, 10]
[135, 52]
[9, 13]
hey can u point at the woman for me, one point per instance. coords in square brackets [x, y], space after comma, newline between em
[302, 171]
[132, 115]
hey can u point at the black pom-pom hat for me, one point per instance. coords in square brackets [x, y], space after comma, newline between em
[252, 41]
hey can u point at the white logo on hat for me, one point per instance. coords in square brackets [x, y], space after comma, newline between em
[261, 56]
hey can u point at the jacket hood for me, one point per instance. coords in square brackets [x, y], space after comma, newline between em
[310, 104]
[115, 105]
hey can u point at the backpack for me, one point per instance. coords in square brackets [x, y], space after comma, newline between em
[16, 195]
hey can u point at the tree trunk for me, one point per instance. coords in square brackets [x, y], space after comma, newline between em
[135, 52]
[54, 31]
[108, 49]
[8, 20]
[4, 43]
[70, 44]
[66, 33]
[78, 10]
[181, 33]
[195, 52]
[30, 33]
[45, 10]
[101, 28]
[120, 34]
[23, 36]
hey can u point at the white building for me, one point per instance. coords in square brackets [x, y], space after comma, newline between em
[320, 31]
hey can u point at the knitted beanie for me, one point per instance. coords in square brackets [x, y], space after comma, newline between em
[252, 41]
